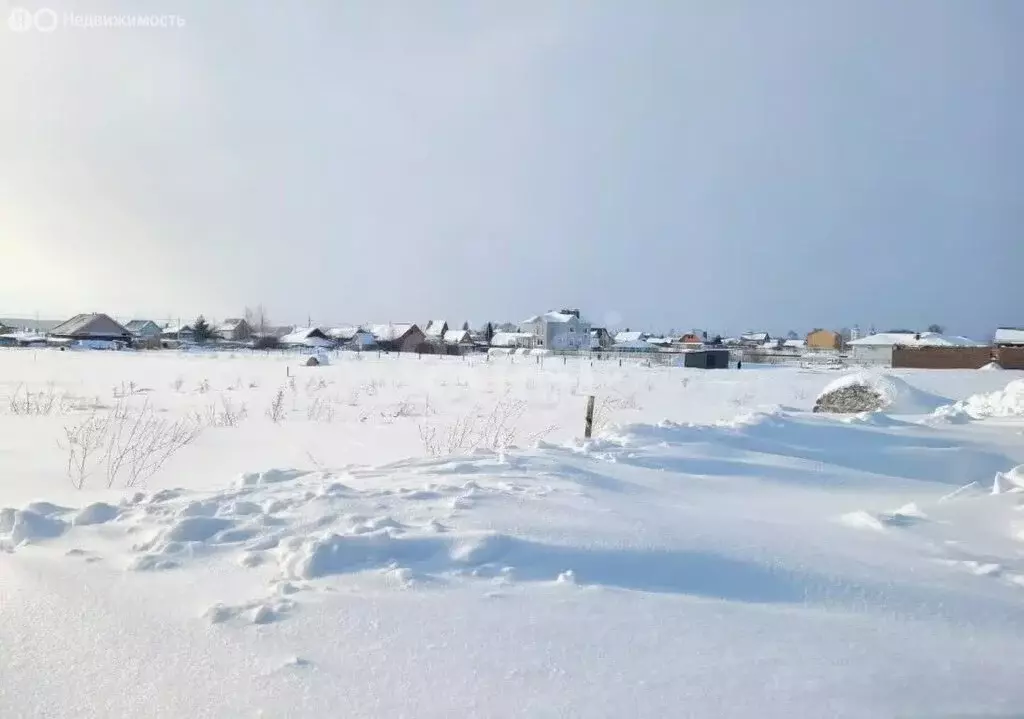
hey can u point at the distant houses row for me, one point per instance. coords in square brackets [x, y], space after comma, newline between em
[556, 330]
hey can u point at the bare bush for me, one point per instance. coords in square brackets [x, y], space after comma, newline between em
[203, 387]
[227, 414]
[315, 385]
[127, 444]
[139, 443]
[606, 408]
[495, 430]
[405, 408]
[276, 410]
[84, 443]
[42, 403]
[320, 410]
[126, 390]
[178, 383]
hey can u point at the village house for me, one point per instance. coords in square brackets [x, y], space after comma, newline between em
[460, 339]
[819, 339]
[562, 330]
[398, 337]
[22, 324]
[351, 337]
[600, 338]
[177, 333]
[234, 330]
[435, 330]
[514, 340]
[307, 337]
[145, 333]
[91, 327]
[693, 338]
[755, 339]
[144, 330]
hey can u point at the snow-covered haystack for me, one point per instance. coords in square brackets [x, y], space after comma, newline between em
[1006, 402]
[874, 391]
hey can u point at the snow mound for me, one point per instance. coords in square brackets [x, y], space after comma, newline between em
[1012, 480]
[992, 366]
[1007, 402]
[905, 516]
[96, 513]
[875, 391]
[25, 525]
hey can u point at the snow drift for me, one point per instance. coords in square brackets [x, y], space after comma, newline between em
[1007, 402]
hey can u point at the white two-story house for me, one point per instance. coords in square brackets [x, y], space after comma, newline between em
[558, 330]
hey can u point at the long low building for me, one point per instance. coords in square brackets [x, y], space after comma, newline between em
[878, 347]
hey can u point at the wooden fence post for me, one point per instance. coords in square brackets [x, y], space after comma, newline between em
[589, 428]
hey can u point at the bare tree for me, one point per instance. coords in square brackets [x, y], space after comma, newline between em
[937, 329]
[257, 318]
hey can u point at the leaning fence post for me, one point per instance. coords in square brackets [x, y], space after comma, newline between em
[589, 428]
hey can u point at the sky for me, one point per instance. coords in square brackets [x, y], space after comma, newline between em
[727, 165]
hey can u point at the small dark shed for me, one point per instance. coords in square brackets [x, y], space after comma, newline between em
[709, 358]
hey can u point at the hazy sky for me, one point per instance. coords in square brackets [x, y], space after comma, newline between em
[658, 163]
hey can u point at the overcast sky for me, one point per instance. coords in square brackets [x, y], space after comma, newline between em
[724, 164]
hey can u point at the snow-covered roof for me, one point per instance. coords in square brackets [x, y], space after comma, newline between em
[799, 344]
[755, 337]
[307, 337]
[1009, 336]
[556, 317]
[926, 339]
[136, 325]
[22, 323]
[933, 339]
[883, 339]
[230, 325]
[511, 339]
[454, 337]
[177, 329]
[94, 323]
[624, 337]
[344, 333]
[661, 341]
[25, 337]
[391, 332]
[435, 328]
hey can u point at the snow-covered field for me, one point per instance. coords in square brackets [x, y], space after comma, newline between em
[432, 538]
